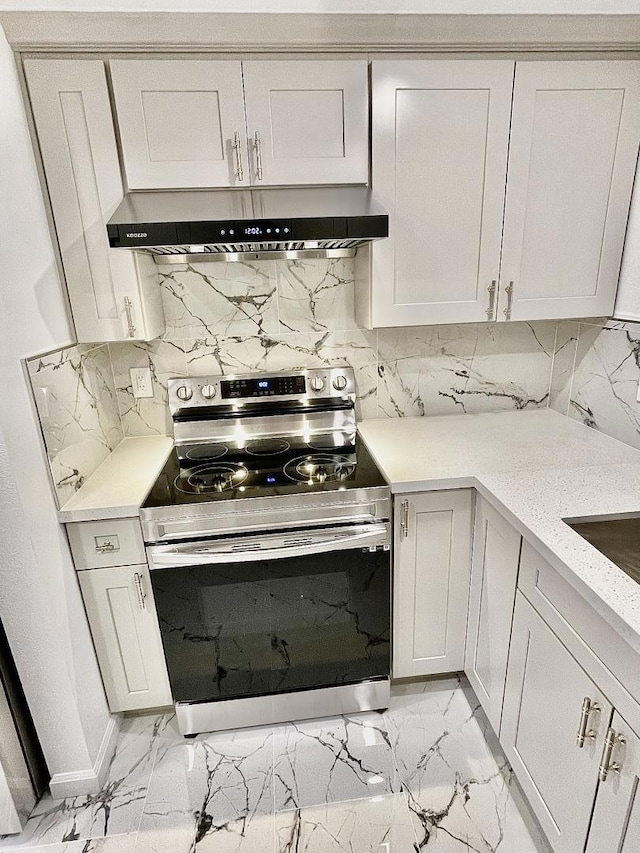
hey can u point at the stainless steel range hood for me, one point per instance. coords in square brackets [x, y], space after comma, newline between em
[235, 225]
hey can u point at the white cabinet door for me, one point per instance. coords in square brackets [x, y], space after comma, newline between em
[616, 818]
[107, 287]
[574, 142]
[542, 714]
[122, 617]
[181, 122]
[308, 122]
[430, 581]
[494, 573]
[439, 158]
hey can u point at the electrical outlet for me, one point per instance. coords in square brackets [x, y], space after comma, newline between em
[141, 382]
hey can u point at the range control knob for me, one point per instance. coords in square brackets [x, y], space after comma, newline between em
[184, 393]
[317, 383]
[208, 392]
[340, 382]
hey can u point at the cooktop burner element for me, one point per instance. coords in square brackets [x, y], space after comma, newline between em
[267, 447]
[320, 468]
[330, 441]
[211, 478]
[206, 452]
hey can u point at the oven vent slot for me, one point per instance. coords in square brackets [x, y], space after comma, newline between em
[253, 546]
[301, 540]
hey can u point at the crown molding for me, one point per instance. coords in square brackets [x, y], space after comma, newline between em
[266, 32]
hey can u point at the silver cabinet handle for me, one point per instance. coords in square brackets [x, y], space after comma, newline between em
[137, 579]
[105, 548]
[606, 765]
[237, 150]
[128, 310]
[509, 291]
[588, 707]
[492, 296]
[404, 519]
[257, 144]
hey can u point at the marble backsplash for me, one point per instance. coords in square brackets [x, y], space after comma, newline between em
[595, 376]
[76, 401]
[275, 315]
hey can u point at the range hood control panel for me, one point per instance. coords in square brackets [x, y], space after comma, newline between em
[151, 234]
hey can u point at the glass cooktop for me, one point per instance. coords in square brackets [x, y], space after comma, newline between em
[262, 468]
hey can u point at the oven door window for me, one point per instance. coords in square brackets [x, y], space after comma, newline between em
[252, 628]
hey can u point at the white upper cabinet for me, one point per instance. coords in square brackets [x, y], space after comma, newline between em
[439, 158]
[548, 227]
[572, 157]
[114, 295]
[181, 122]
[307, 122]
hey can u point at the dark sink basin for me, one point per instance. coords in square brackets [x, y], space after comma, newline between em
[616, 538]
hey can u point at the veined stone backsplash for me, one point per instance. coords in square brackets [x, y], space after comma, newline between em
[76, 401]
[595, 376]
[277, 315]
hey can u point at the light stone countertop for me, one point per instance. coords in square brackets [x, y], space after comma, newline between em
[451, 451]
[120, 484]
[535, 468]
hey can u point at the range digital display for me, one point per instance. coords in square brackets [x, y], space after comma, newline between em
[275, 230]
[278, 386]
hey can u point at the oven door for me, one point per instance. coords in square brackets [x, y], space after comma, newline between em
[259, 615]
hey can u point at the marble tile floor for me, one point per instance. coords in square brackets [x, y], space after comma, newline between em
[425, 775]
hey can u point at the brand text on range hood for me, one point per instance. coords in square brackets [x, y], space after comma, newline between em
[247, 224]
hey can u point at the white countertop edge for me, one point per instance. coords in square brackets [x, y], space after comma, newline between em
[445, 483]
[67, 516]
[599, 604]
[98, 492]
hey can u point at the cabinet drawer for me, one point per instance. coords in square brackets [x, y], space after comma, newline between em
[600, 650]
[100, 544]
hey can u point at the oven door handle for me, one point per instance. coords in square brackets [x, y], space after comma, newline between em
[290, 545]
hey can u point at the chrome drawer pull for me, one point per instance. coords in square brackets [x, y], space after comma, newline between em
[128, 310]
[106, 544]
[137, 579]
[257, 144]
[583, 734]
[492, 296]
[238, 152]
[509, 291]
[606, 765]
[404, 519]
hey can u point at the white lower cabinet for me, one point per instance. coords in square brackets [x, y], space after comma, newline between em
[431, 581]
[545, 701]
[616, 818]
[494, 573]
[122, 617]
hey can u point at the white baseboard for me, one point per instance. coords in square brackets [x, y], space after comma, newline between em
[80, 782]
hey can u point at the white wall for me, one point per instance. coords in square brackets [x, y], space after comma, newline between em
[345, 6]
[40, 603]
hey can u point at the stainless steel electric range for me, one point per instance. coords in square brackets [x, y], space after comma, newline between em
[268, 540]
